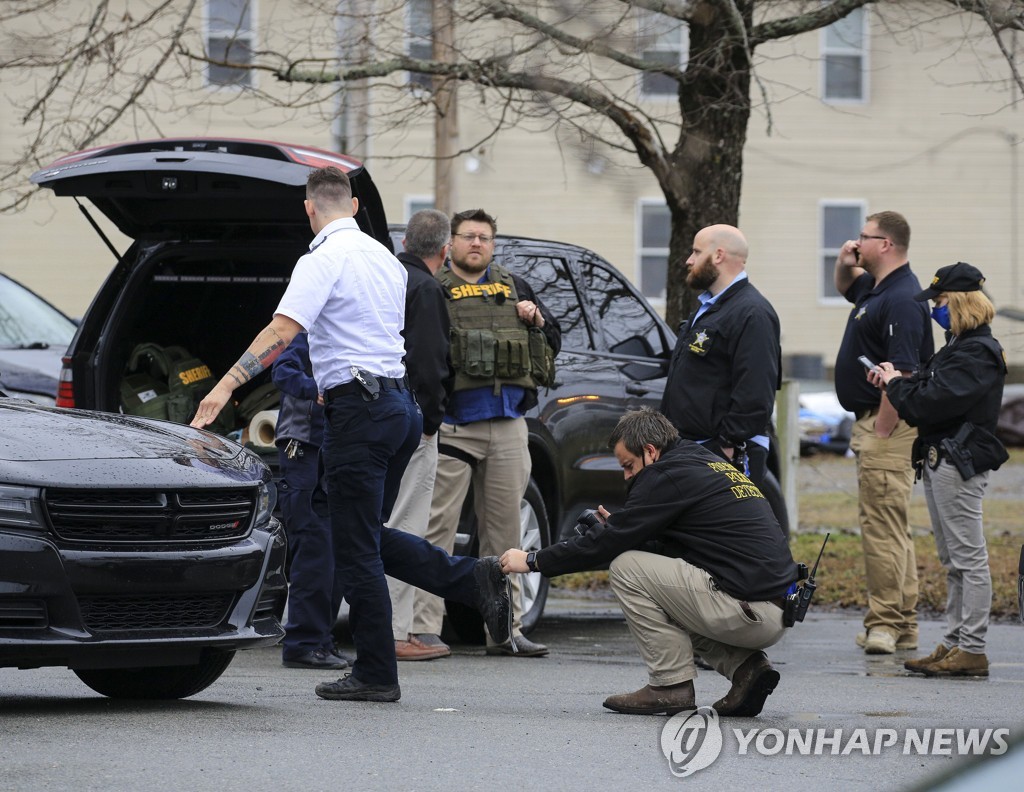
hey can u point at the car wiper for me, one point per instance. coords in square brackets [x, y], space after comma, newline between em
[33, 345]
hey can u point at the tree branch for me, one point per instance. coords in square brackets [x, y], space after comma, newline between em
[804, 23]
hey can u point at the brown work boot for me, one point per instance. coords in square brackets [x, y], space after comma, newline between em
[958, 663]
[752, 683]
[651, 700]
[918, 663]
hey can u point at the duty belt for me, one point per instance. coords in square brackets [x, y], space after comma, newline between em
[352, 386]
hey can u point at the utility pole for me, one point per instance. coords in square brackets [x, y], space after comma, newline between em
[446, 117]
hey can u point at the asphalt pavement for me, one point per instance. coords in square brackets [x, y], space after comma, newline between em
[478, 722]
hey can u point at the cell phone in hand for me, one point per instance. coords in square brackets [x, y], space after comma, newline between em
[866, 362]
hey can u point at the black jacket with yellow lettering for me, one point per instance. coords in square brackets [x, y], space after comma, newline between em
[690, 504]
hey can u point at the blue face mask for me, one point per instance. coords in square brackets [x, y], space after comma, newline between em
[941, 316]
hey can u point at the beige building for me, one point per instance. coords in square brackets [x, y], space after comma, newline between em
[864, 116]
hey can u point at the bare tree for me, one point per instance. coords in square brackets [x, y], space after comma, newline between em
[574, 64]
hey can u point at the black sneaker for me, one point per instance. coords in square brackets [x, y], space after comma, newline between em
[493, 599]
[319, 659]
[334, 650]
[351, 689]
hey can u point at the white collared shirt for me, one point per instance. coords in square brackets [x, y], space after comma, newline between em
[349, 293]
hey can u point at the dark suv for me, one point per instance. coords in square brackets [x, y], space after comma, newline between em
[218, 226]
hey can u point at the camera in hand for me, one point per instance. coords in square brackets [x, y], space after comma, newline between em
[589, 518]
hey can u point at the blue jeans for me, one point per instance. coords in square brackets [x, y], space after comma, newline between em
[313, 594]
[366, 448]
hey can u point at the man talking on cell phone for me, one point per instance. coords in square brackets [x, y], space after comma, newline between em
[886, 323]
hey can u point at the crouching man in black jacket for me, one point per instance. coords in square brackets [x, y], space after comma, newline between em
[698, 563]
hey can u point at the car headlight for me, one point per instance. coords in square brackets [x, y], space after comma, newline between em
[20, 507]
[266, 502]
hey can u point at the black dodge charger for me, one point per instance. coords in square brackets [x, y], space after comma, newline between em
[140, 554]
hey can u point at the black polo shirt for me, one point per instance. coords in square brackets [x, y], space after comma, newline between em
[886, 324]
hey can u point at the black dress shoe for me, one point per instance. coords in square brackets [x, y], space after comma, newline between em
[334, 650]
[493, 600]
[319, 659]
[351, 689]
[524, 648]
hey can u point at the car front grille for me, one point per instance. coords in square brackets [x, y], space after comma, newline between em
[150, 516]
[114, 613]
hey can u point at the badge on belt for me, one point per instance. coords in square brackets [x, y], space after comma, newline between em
[933, 457]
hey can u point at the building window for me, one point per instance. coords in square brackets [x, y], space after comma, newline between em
[420, 39]
[844, 49]
[416, 203]
[655, 231]
[661, 40]
[840, 221]
[229, 37]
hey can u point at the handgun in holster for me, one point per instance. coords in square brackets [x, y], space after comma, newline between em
[956, 451]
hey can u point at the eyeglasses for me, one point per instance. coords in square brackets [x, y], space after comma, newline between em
[484, 238]
[862, 237]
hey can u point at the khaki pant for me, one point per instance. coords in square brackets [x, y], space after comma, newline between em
[672, 609]
[411, 514]
[885, 477]
[499, 479]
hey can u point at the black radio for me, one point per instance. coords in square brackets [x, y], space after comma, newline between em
[799, 601]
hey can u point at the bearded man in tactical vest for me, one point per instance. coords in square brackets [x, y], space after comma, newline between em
[503, 346]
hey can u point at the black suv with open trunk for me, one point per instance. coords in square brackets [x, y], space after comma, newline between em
[218, 226]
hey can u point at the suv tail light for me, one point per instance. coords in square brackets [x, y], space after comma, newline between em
[65, 386]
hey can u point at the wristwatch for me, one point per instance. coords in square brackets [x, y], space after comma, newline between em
[531, 561]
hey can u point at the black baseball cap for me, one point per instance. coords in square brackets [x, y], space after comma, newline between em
[959, 277]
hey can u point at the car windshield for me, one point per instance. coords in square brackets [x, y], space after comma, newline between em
[28, 322]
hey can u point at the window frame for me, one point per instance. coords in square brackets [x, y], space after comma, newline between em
[649, 20]
[657, 302]
[863, 53]
[418, 201]
[249, 76]
[416, 80]
[824, 250]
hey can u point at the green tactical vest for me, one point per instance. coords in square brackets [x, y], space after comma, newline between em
[168, 383]
[489, 343]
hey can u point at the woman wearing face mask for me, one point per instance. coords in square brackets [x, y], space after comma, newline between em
[954, 403]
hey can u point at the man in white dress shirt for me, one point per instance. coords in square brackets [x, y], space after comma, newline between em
[348, 292]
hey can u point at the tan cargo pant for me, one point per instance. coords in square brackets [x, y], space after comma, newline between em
[885, 477]
[411, 513]
[673, 609]
[499, 481]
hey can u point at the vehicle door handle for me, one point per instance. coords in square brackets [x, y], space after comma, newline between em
[637, 389]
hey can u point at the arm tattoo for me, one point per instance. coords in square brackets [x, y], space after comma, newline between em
[250, 365]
